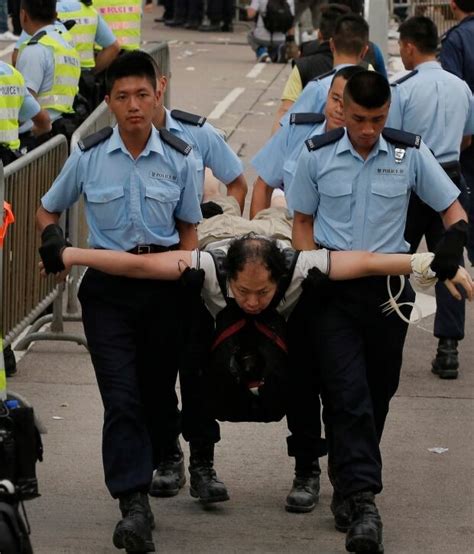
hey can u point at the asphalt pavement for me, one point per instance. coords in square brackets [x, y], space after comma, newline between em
[427, 502]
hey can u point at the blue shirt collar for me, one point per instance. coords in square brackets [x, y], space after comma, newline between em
[428, 65]
[345, 145]
[171, 123]
[153, 145]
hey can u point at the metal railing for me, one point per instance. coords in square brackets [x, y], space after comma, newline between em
[437, 10]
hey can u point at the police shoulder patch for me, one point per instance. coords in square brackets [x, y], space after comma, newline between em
[324, 75]
[401, 138]
[404, 78]
[175, 142]
[306, 118]
[95, 139]
[318, 141]
[190, 118]
[36, 38]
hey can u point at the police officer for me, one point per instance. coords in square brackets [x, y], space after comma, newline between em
[275, 163]
[140, 192]
[353, 185]
[17, 104]
[437, 105]
[124, 17]
[49, 64]
[457, 56]
[349, 45]
[210, 151]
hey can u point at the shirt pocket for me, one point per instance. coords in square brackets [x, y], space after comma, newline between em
[161, 201]
[107, 207]
[335, 200]
[388, 199]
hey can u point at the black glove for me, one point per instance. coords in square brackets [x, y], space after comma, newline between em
[210, 209]
[449, 251]
[52, 244]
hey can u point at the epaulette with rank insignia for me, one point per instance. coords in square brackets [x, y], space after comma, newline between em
[303, 118]
[324, 75]
[95, 139]
[175, 142]
[404, 78]
[190, 118]
[36, 38]
[401, 138]
[318, 141]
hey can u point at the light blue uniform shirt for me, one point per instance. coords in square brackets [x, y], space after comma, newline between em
[30, 107]
[209, 149]
[314, 96]
[129, 202]
[435, 104]
[362, 204]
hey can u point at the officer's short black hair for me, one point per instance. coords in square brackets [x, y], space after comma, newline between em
[351, 34]
[466, 6]
[330, 13]
[40, 10]
[132, 64]
[355, 6]
[368, 89]
[422, 32]
[347, 72]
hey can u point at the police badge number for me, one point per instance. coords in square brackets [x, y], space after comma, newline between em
[399, 155]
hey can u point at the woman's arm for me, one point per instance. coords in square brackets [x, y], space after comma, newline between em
[166, 266]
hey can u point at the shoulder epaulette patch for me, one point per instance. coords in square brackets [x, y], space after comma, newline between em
[318, 141]
[404, 78]
[302, 118]
[190, 118]
[175, 142]
[36, 38]
[324, 75]
[69, 24]
[95, 139]
[401, 138]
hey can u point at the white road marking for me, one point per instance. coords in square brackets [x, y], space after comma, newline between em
[255, 71]
[224, 104]
[7, 50]
[427, 304]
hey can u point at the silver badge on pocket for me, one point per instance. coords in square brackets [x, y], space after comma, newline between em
[399, 155]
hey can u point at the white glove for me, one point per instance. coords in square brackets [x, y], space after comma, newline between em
[421, 267]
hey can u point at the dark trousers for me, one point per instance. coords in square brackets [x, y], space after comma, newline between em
[220, 10]
[133, 332]
[467, 168]
[424, 221]
[356, 351]
[189, 10]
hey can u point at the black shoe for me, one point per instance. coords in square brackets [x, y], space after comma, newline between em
[204, 482]
[192, 25]
[446, 363]
[169, 476]
[341, 512]
[227, 28]
[365, 531]
[304, 494]
[210, 27]
[133, 531]
[174, 22]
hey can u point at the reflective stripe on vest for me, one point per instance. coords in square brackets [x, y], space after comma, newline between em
[83, 33]
[67, 71]
[12, 94]
[124, 18]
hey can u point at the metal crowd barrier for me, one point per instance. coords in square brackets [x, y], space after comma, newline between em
[437, 10]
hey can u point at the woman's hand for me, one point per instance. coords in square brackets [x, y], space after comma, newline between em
[463, 279]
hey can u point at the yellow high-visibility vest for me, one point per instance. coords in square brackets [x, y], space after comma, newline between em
[12, 94]
[83, 33]
[67, 71]
[124, 17]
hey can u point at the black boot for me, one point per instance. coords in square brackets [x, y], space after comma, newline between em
[446, 363]
[365, 532]
[204, 482]
[169, 476]
[304, 494]
[341, 512]
[133, 531]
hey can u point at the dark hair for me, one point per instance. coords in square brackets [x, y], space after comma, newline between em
[466, 6]
[347, 72]
[132, 64]
[368, 89]
[330, 13]
[351, 34]
[422, 32]
[40, 10]
[255, 248]
[355, 6]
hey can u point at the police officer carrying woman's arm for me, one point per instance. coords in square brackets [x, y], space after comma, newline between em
[140, 192]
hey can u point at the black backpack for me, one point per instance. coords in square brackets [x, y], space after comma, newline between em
[278, 17]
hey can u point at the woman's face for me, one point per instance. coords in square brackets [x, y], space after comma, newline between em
[253, 288]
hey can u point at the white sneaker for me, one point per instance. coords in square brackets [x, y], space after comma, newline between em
[8, 35]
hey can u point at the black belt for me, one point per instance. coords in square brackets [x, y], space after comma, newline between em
[152, 249]
[450, 166]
